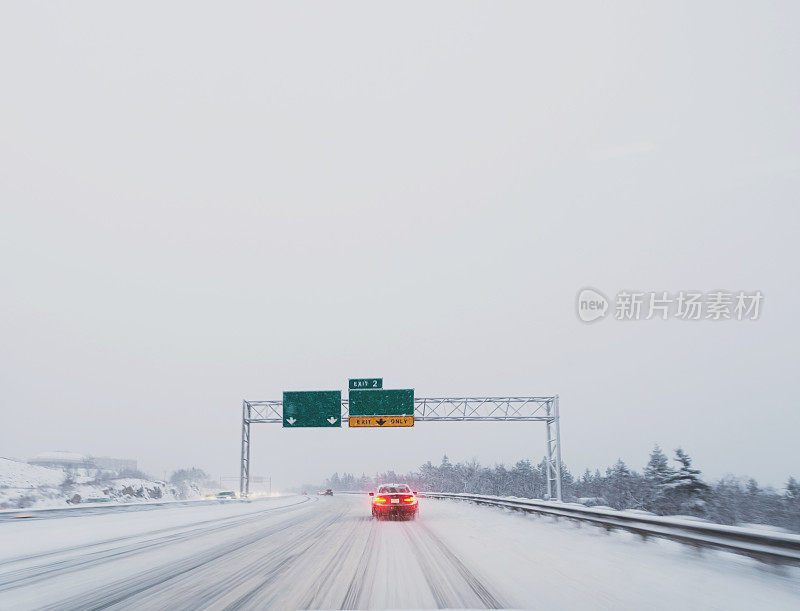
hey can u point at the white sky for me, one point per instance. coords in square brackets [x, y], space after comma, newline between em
[204, 202]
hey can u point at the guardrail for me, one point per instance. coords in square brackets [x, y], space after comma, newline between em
[772, 548]
[93, 508]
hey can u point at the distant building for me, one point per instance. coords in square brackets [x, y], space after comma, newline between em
[106, 463]
[69, 461]
[82, 464]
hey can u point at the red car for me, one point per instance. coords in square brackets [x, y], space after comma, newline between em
[395, 500]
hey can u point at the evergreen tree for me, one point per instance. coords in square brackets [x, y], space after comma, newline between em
[446, 476]
[792, 490]
[524, 480]
[726, 504]
[657, 473]
[658, 469]
[681, 491]
[428, 477]
[193, 474]
[585, 485]
[365, 483]
[501, 481]
[567, 484]
[791, 505]
[467, 475]
[685, 492]
[620, 486]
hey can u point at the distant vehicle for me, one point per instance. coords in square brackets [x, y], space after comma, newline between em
[327, 492]
[394, 500]
[97, 499]
[226, 496]
[304, 492]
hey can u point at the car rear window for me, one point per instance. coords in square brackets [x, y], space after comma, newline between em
[393, 489]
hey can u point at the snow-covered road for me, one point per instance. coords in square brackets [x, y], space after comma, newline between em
[312, 552]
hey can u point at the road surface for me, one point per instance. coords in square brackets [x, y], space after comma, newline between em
[326, 552]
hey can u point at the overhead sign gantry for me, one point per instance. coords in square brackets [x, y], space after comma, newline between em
[370, 405]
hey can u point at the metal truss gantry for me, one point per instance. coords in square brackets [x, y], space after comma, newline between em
[438, 409]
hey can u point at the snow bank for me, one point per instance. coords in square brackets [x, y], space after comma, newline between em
[545, 563]
[15, 474]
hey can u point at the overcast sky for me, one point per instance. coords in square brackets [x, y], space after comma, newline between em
[205, 202]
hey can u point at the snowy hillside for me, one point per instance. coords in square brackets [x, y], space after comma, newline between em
[23, 485]
[15, 474]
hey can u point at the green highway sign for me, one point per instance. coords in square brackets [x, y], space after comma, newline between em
[316, 408]
[381, 402]
[365, 383]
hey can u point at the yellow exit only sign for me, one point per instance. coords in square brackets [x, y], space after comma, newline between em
[383, 421]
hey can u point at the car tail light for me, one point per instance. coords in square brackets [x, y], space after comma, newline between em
[380, 500]
[410, 499]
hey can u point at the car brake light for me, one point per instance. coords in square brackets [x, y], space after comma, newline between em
[380, 500]
[409, 499]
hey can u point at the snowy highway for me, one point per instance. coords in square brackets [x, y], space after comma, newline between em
[301, 552]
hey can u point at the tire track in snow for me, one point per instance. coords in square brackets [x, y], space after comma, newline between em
[355, 589]
[429, 550]
[316, 578]
[33, 574]
[329, 556]
[121, 591]
[277, 566]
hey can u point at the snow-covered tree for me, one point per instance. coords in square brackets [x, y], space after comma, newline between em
[657, 473]
[792, 490]
[684, 491]
[525, 480]
[660, 488]
[623, 487]
[658, 469]
[192, 475]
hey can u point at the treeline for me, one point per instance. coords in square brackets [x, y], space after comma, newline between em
[663, 487]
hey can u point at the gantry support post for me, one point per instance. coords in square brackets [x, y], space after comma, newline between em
[244, 470]
[559, 496]
[548, 457]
